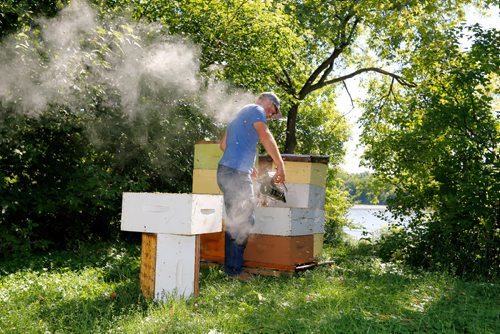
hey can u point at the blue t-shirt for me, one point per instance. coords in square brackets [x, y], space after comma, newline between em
[242, 138]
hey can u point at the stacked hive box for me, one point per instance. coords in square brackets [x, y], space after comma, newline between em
[287, 235]
[170, 226]
[206, 158]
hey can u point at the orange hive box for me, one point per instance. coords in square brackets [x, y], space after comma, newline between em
[212, 247]
[279, 252]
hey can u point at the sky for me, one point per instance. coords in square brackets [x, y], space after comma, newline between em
[354, 149]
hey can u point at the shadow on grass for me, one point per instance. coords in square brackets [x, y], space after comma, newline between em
[88, 255]
[364, 295]
[99, 283]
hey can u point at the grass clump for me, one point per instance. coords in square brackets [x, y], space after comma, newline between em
[96, 290]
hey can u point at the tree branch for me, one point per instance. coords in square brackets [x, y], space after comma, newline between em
[326, 73]
[396, 77]
[307, 88]
[326, 67]
[348, 93]
[390, 88]
[287, 84]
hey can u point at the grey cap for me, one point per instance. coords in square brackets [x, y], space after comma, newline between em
[275, 100]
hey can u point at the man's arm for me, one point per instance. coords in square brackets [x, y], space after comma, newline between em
[222, 143]
[267, 139]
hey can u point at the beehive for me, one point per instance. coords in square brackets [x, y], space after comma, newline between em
[288, 221]
[170, 226]
[279, 252]
[285, 235]
[206, 159]
[298, 224]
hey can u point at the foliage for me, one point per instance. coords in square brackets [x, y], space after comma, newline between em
[337, 204]
[14, 15]
[300, 47]
[95, 289]
[438, 145]
[52, 182]
[363, 188]
[64, 164]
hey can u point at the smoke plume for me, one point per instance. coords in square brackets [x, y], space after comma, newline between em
[79, 60]
[77, 50]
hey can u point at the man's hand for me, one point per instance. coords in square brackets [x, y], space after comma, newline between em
[269, 143]
[279, 176]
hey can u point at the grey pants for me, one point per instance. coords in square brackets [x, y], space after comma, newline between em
[239, 202]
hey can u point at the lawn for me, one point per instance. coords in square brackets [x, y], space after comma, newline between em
[95, 289]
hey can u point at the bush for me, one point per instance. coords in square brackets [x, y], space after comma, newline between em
[439, 149]
[85, 120]
[58, 187]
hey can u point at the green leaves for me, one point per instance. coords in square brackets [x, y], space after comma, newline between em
[437, 145]
[109, 117]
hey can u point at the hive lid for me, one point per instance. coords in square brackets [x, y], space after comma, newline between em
[299, 158]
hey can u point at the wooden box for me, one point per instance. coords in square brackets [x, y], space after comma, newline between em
[298, 195]
[288, 221]
[207, 155]
[186, 214]
[279, 252]
[205, 181]
[169, 265]
[206, 159]
[305, 169]
[212, 247]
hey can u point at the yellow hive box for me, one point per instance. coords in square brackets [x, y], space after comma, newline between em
[310, 173]
[206, 155]
[318, 244]
[301, 172]
[205, 182]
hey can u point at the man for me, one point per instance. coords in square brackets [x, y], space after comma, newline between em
[235, 171]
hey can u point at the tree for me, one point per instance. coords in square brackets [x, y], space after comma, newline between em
[363, 188]
[77, 129]
[16, 14]
[301, 47]
[438, 145]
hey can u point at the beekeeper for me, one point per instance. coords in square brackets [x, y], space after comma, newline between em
[235, 171]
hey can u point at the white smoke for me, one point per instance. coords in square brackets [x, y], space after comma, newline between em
[78, 51]
[73, 20]
[223, 105]
[32, 81]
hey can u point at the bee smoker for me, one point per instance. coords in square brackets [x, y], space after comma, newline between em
[269, 188]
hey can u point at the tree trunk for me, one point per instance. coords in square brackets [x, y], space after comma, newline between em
[291, 125]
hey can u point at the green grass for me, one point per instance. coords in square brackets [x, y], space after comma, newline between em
[74, 292]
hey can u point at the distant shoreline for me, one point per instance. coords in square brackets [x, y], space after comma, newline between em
[365, 220]
[368, 206]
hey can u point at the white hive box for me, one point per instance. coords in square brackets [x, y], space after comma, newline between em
[288, 221]
[185, 214]
[299, 195]
[176, 266]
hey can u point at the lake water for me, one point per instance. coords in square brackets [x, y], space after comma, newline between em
[366, 220]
